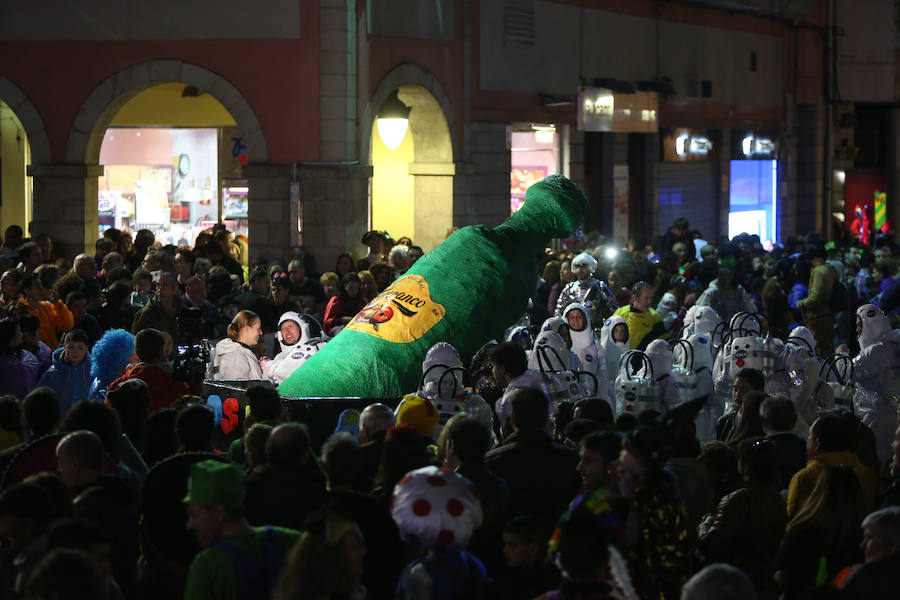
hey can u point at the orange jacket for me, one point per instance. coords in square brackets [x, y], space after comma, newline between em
[54, 316]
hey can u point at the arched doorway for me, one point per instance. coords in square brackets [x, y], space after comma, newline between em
[22, 139]
[98, 113]
[412, 185]
[168, 166]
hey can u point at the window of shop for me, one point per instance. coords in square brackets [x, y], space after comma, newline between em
[167, 180]
[753, 199]
[535, 154]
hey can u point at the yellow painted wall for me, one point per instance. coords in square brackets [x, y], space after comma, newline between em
[15, 187]
[392, 187]
[419, 206]
[162, 105]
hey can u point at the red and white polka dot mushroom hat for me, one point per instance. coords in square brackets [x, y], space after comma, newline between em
[436, 507]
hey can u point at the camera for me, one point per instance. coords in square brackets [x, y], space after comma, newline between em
[190, 361]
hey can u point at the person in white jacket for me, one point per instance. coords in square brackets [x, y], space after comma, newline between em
[586, 345]
[233, 358]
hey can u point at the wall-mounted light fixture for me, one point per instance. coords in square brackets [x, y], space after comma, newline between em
[392, 121]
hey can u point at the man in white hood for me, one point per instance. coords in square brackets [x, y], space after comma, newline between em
[587, 347]
[442, 384]
[875, 372]
[300, 337]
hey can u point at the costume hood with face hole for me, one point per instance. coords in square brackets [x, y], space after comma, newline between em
[871, 325]
[580, 339]
[309, 328]
[606, 332]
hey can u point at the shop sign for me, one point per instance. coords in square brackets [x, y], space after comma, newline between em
[600, 109]
[752, 145]
[686, 145]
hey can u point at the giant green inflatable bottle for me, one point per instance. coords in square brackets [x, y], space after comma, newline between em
[466, 291]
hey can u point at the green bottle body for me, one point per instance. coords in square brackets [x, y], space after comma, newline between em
[466, 291]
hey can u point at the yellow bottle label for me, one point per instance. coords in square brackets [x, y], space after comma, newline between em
[402, 313]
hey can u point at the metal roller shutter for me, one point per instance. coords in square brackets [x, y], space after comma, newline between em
[689, 190]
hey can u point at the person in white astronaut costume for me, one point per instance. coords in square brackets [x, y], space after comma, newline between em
[811, 395]
[875, 371]
[692, 369]
[635, 389]
[442, 384]
[705, 321]
[557, 356]
[300, 337]
[744, 330]
[661, 359]
[614, 341]
[586, 345]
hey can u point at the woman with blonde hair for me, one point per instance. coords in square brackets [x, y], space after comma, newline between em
[233, 359]
[326, 564]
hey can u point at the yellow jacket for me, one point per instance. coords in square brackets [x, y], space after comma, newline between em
[804, 480]
[640, 324]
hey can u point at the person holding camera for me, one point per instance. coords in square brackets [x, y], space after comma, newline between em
[233, 358]
[162, 385]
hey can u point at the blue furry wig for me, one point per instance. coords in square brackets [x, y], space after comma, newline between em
[110, 355]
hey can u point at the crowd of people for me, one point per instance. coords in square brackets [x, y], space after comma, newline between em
[680, 418]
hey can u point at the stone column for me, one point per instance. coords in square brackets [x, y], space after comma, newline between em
[433, 218]
[323, 207]
[65, 205]
[481, 187]
[271, 231]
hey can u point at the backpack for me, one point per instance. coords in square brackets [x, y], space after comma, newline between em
[840, 297]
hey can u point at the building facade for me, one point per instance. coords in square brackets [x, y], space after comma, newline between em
[293, 89]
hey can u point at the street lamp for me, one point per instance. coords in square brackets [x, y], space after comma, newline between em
[392, 121]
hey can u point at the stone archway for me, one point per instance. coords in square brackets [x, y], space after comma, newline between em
[65, 195]
[412, 187]
[405, 74]
[104, 102]
[30, 118]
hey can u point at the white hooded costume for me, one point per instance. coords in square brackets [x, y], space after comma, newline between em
[876, 371]
[661, 359]
[811, 395]
[692, 370]
[586, 345]
[613, 350]
[705, 321]
[442, 384]
[293, 355]
[636, 387]
[744, 349]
